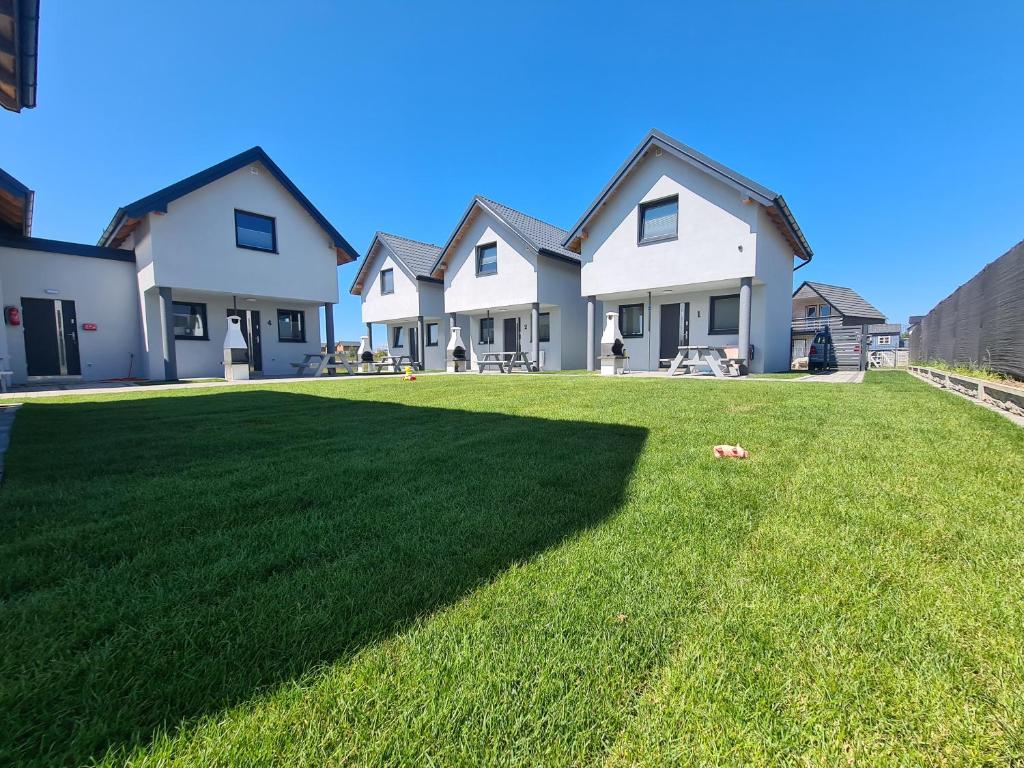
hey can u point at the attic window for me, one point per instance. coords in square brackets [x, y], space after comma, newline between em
[487, 259]
[387, 281]
[255, 231]
[659, 219]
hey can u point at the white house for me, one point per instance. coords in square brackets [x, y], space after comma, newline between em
[151, 300]
[689, 252]
[395, 287]
[510, 285]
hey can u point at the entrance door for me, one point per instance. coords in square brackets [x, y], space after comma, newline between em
[511, 331]
[250, 326]
[414, 344]
[51, 337]
[675, 330]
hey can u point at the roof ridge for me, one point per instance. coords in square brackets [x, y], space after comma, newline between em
[382, 233]
[521, 213]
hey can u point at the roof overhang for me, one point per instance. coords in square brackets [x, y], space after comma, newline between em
[774, 204]
[19, 45]
[127, 218]
[16, 202]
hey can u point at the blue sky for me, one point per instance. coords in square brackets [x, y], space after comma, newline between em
[894, 135]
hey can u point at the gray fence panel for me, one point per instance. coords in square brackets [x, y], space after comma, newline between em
[981, 323]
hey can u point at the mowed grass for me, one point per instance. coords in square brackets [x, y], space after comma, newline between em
[514, 571]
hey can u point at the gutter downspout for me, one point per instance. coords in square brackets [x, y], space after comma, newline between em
[803, 264]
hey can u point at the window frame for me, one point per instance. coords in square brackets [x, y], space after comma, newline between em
[273, 231]
[642, 329]
[542, 338]
[389, 271]
[437, 336]
[640, 239]
[479, 250]
[206, 325]
[396, 337]
[883, 340]
[711, 316]
[301, 313]
[480, 329]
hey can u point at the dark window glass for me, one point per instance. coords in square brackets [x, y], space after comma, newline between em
[387, 281]
[811, 311]
[190, 321]
[544, 326]
[396, 336]
[291, 325]
[431, 334]
[631, 320]
[487, 259]
[486, 330]
[659, 219]
[725, 314]
[255, 231]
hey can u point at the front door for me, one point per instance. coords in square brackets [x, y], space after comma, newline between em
[511, 329]
[251, 333]
[675, 330]
[51, 337]
[414, 344]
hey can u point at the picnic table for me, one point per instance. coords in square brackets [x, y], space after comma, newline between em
[500, 360]
[396, 363]
[705, 359]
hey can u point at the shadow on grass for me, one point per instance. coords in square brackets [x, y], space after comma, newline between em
[163, 558]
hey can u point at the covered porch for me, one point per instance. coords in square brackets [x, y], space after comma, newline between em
[655, 323]
[534, 329]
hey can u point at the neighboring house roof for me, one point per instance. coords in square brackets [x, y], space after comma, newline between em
[19, 46]
[16, 201]
[128, 216]
[418, 258]
[775, 204]
[69, 249]
[887, 329]
[546, 239]
[915, 320]
[846, 301]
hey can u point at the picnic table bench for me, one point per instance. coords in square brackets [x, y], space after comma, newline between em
[321, 362]
[396, 363]
[695, 358]
[500, 360]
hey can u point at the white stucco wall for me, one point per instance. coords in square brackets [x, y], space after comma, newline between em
[434, 357]
[774, 269]
[192, 246]
[560, 288]
[713, 224]
[104, 292]
[515, 282]
[402, 303]
[203, 359]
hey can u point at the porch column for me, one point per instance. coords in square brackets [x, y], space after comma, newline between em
[421, 342]
[744, 340]
[369, 335]
[591, 308]
[329, 332]
[167, 334]
[535, 335]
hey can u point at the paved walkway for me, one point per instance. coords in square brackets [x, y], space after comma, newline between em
[835, 377]
[6, 423]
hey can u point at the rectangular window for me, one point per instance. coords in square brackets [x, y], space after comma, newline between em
[255, 231]
[544, 326]
[884, 340]
[291, 325]
[811, 312]
[631, 320]
[387, 281]
[725, 314]
[190, 321]
[659, 219]
[396, 336]
[431, 334]
[487, 259]
[486, 330]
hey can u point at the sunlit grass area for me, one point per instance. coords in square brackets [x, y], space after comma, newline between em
[513, 570]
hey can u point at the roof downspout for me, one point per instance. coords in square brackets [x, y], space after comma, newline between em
[804, 263]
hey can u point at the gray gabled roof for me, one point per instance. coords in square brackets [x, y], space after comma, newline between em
[892, 329]
[776, 205]
[846, 301]
[546, 239]
[417, 257]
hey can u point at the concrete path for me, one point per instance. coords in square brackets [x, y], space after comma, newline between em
[835, 377]
[6, 424]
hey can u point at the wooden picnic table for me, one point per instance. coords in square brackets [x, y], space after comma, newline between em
[500, 360]
[322, 362]
[396, 363]
[695, 357]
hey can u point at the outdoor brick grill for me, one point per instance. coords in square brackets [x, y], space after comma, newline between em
[365, 354]
[456, 352]
[236, 352]
[613, 350]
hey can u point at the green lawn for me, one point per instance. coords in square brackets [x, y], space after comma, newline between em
[515, 571]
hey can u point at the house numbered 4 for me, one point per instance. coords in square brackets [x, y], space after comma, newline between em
[152, 299]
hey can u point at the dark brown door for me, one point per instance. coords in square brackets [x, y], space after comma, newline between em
[51, 337]
[511, 330]
[252, 334]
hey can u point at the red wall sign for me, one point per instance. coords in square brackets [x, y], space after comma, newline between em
[89, 326]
